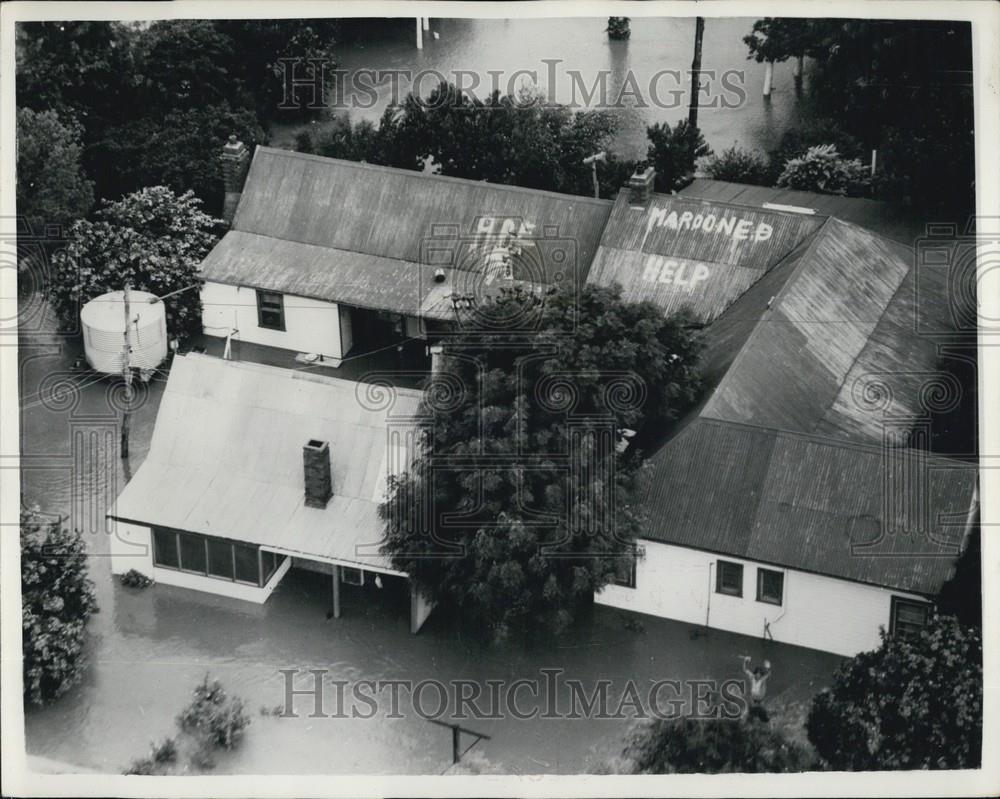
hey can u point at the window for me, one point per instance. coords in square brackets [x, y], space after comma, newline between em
[165, 549]
[192, 553]
[908, 617]
[220, 558]
[729, 578]
[245, 562]
[271, 310]
[214, 557]
[770, 585]
[625, 573]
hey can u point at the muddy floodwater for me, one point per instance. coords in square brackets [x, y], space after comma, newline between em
[148, 648]
[647, 78]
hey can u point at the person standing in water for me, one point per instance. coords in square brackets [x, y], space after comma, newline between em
[758, 679]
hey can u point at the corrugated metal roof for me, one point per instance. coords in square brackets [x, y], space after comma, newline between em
[845, 317]
[882, 218]
[349, 232]
[682, 252]
[802, 502]
[226, 458]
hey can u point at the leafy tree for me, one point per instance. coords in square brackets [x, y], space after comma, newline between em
[673, 152]
[180, 150]
[619, 28]
[822, 169]
[711, 746]
[153, 239]
[384, 144]
[526, 549]
[259, 46]
[51, 186]
[913, 703]
[57, 598]
[739, 166]
[778, 39]
[84, 69]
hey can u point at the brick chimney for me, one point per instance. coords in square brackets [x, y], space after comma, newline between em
[316, 468]
[235, 162]
[640, 186]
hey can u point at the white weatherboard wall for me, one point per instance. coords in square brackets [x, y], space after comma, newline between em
[132, 548]
[817, 612]
[310, 325]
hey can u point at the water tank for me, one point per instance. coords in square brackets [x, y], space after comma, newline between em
[103, 323]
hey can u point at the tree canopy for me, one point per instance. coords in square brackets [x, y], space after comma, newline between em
[913, 703]
[51, 186]
[521, 507]
[153, 239]
[57, 599]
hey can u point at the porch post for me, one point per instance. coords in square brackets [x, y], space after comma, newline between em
[420, 609]
[336, 591]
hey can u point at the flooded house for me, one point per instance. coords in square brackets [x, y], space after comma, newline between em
[332, 258]
[254, 469]
[798, 501]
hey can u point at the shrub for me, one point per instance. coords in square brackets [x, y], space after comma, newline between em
[57, 601]
[134, 579]
[165, 752]
[710, 746]
[739, 166]
[795, 141]
[822, 169]
[909, 704]
[213, 716]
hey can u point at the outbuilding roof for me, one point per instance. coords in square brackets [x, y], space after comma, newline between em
[226, 458]
[373, 236]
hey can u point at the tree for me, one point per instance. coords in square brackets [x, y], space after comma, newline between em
[516, 540]
[777, 40]
[180, 150]
[913, 703]
[711, 746]
[57, 599]
[673, 152]
[153, 239]
[51, 186]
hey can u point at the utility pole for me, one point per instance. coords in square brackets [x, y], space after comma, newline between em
[699, 33]
[592, 160]
[127, 374]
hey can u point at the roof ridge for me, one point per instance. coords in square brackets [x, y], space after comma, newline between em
[411, 173]
[810, 246]
[728, 204]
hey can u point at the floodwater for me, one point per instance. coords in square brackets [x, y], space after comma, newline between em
[148, 648]
[651, 67]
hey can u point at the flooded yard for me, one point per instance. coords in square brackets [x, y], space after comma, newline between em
[148, 648]
[657, 57]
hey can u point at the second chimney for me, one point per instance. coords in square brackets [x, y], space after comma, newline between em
[316, 468]
[640, 186]
[235, 162]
